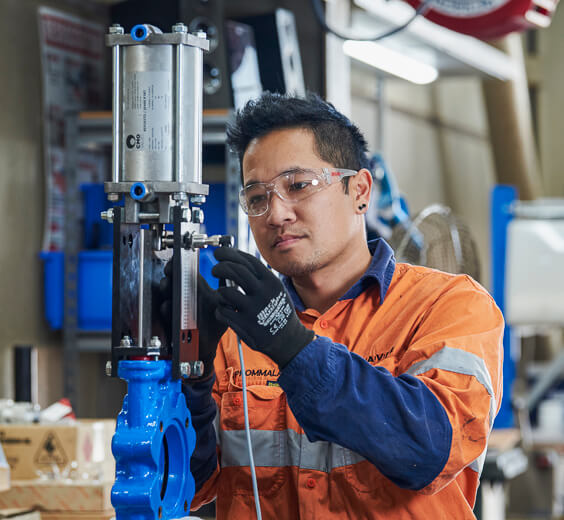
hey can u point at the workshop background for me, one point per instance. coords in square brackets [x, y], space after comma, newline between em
[494, 116]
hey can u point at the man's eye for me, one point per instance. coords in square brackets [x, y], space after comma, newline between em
[301, 185]
[256, 199]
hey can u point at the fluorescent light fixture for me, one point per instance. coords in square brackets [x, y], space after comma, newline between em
[390, 61]
[454, 51]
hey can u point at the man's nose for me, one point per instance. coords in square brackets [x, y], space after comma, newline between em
[279, 210]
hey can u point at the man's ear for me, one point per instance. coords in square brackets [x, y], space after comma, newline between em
[360, 188]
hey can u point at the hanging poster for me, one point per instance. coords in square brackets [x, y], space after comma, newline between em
[73, 79]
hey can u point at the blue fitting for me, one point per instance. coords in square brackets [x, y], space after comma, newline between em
[139, 32]
[153, 443]
[138, 191]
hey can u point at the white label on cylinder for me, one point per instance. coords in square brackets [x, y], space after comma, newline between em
[147, 112]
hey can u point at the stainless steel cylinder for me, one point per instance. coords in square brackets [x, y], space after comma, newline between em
[148, 122]
[158, 108]
[191, 98]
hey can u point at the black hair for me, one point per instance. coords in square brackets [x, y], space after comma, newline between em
[338, 140]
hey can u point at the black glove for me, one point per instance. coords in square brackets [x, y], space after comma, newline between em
[209, 327]
[263, 317]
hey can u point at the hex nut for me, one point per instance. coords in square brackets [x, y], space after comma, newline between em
[179, 28]
[125, 342]
[197, 216]
[180, 196]
[197, 199]
[115, 29]
[185, 369]
[197, 368]
[108, 215]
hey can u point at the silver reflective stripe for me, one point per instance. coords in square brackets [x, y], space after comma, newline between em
[478, 464]
[493, 408]
[322, 455]
[283, 448]
[267, 449]
[460, 362]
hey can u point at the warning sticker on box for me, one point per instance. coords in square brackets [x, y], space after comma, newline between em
[147, 112]
[51, 451]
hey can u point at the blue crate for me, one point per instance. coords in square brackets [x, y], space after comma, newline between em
[97, 232]
[53, 297]
[94, 289]
[94, 284]
[215, 220]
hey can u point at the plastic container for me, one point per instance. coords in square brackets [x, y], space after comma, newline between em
[95, 290]
[215, 220]
[53, 297]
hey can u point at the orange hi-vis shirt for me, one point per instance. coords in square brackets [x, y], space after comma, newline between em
[384, 415]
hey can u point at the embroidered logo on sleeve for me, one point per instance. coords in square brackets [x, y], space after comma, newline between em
[275, 315]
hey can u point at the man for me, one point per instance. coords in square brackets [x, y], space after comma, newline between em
[372, 386]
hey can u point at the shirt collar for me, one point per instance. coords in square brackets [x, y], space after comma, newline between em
[380, 271]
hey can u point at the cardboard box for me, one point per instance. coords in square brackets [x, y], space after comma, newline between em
[58, 496]
[98, 515]
[4, 472]
[34, 448]
[19, 514]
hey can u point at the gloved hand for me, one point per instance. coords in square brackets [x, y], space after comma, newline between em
[209, 327]
[263, 317]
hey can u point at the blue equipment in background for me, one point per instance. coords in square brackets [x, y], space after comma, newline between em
[390, 208]
[98, 233]
[153, 443]
[94, 290]
[502, 198]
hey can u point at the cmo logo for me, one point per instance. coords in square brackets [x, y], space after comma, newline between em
[133, 141]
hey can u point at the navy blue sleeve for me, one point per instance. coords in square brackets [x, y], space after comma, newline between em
[202, 409]
[396, 423]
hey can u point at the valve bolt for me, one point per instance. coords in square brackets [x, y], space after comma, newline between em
[185, 369]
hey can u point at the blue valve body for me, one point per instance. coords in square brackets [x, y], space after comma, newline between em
[153, 443]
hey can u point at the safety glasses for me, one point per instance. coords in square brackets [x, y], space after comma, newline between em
[293, 186]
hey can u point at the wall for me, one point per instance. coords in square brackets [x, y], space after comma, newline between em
[436, 145]
[22, 191]
[550, 80]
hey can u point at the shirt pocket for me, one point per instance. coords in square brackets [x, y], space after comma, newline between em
[268, 426]
[362, 475]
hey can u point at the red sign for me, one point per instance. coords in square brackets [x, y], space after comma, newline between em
[489, 19]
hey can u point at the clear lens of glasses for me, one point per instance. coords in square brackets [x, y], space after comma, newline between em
[294, 186]
[291, 186]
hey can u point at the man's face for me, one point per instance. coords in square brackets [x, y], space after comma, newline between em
[300, 238]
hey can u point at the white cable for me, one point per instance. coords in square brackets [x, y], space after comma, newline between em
[248, 431]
